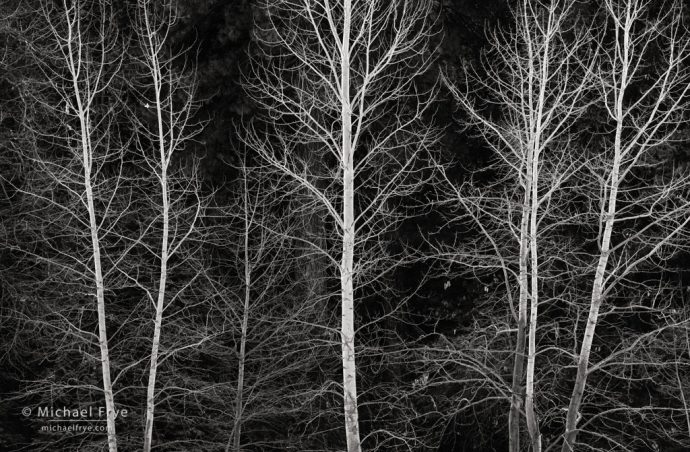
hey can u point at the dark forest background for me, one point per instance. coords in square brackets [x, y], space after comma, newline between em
[435, 346]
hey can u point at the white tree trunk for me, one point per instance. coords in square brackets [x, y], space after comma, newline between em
[519, 356]
[583, 361]
[531, 418]
[384, 45]
[158, 323]
[87, 156]
[102, 332]
[534, 161]
[572, 415]
[165, 203]
[346, 270]
[608, 217]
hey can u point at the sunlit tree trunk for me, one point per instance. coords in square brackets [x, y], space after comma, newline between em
[346, 270]
[642, 122]
[537, 80]
[350, 68]
[171, 97]
[87, 80]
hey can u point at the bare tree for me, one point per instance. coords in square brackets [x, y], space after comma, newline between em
[146, 206]
[252, 257]
[249, 222]
[85, 56]
[268, 324]
[535, 81]
[170, 95]
[343, 78]
[643, 83]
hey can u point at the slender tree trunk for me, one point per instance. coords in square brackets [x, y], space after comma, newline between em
[346, 270]
[597, 291]
[532, 422]
[102, 332]
[535, 80]
[158, 323]
[160, 302]
[573, 413]
[347, 328]
[530, 415]
[239, 402]
[519, 363]
[98, 269]
[572, 416]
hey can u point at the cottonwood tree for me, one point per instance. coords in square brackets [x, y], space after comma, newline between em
[271, 342]
[643, 83]
[534, 78]
[249, 210]
[343, 78]
[266, 341]
[146, 204]
[170, 94]
[85, 58]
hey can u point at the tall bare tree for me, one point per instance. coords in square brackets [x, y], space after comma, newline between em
[534, 80]
[85, 57]
[269, 323]
[343, 77]
[643, 81]
[170, 94]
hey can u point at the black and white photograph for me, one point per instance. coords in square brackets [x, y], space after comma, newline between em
[345, 225]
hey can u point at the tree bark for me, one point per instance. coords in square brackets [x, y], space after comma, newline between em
[519, 360]
[572, 415]
[239, 403]
[537, 126]
[87, 155]
[346, 270]
[531, 418]
[165, 202]
[102, 331]
[157, 326]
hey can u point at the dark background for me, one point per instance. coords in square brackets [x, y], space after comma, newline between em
[447, 304]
